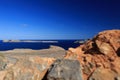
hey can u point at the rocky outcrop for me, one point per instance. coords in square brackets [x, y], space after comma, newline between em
[65, 69]
[52, 52]
[96, 59]
[99, 56]
[27, 64]
[25, 68]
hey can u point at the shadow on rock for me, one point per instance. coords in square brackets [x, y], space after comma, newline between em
[118, 52]
[64, 69]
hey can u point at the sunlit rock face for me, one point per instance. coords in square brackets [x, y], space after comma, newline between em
[99, 57]
[26, 68]
[27, 64]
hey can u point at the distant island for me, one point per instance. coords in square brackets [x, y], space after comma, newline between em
[34, 41]
[81, 41]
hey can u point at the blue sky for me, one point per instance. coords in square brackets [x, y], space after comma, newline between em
[57, 19]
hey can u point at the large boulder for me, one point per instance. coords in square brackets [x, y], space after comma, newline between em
[108, 42]
[65, 69]
[28, 64]
[25, 68]
[104, 74]
[103, 51]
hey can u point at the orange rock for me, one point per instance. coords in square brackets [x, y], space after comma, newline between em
[101, 52]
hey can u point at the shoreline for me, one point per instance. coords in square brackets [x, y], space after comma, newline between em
[51, 47]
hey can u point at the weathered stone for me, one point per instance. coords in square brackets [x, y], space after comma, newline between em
[3, 62]
[28, 68]
[103, 52]
[103, 74]
[65, 70]
[27, 64]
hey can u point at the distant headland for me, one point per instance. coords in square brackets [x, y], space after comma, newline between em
[33, 41]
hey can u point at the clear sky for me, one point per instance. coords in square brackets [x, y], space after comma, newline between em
[57, 19]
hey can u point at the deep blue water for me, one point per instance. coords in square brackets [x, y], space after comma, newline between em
[37, 45]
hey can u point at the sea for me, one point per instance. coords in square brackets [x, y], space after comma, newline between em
[37, 44]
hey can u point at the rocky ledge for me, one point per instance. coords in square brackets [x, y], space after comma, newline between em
[27, 64]
[96, 59]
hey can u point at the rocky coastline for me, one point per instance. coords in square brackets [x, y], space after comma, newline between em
[96, 59]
